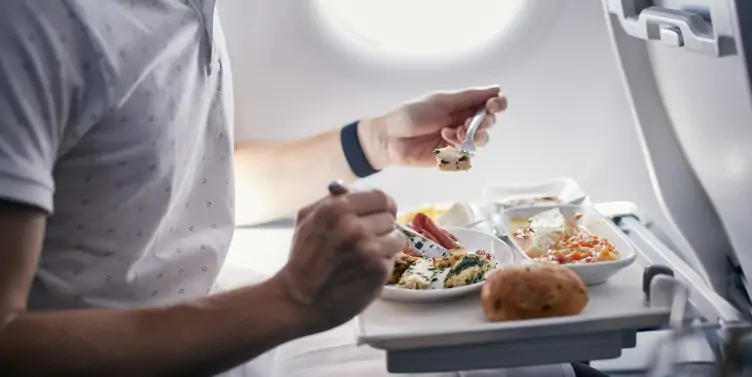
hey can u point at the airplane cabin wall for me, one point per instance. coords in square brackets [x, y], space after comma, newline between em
[568, 113]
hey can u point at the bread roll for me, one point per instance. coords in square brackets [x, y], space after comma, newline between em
[532, 290]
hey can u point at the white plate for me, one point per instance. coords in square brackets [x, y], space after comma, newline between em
[470, 239]
[595, 223]
[565, 189]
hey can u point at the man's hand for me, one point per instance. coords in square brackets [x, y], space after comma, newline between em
[408, 135]
[342, 254]
[405, 136]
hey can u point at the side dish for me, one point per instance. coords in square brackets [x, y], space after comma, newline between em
[460, 268]
[446, 214]
[432, 211]
[424, 226]
[531, 201]
[550, 237]
[452, 159]
[532, 290]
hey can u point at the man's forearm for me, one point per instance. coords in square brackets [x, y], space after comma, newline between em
[276, 178]
[194, 339]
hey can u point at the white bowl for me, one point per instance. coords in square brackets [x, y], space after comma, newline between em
[590, 273]
[564, 189]
[470, 239]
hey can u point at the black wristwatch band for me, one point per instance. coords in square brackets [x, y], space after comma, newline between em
[354, 154]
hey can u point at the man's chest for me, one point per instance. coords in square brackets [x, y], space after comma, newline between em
[143, 190]
[165, 81]
[132, 181]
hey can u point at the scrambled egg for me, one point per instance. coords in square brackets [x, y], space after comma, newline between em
[469, 269]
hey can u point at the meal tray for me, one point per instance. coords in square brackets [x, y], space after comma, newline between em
[615, 305]
[454, 335]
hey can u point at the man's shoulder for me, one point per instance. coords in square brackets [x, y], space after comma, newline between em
[51, 32]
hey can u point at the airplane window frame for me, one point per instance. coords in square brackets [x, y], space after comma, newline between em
[524, 21]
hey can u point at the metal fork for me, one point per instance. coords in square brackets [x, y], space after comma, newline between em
[469, 144]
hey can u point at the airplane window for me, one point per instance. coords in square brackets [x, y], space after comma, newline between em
[419, 27]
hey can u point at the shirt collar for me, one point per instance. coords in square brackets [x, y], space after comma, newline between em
[206, 9]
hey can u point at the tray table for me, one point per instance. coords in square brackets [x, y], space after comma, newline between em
[454, 335]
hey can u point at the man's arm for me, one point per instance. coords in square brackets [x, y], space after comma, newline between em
[42, 85]
[275, 178]
[194, 339]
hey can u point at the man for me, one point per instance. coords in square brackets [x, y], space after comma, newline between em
[116, 195]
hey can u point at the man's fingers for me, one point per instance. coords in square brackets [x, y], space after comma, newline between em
[462, 133]
[463, 100]
[496, 104]
[463, 117]
[488, 121]
[362, 202]
[481, 138]
[450, 136]
[370, 201]
[457, 136]
[379, 223]
[307, 210]
[337, 188]
[392, 243]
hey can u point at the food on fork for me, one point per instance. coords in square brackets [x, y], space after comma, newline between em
[452, 159]
[550, 237]
[532, 290]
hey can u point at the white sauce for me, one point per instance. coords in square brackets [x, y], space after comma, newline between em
[546, 227]
[459, 214]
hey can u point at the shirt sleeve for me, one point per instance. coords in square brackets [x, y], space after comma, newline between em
[42, 88]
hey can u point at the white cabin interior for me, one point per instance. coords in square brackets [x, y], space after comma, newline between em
[665, 124]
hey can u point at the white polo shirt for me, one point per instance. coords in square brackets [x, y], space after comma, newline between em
[115, 117]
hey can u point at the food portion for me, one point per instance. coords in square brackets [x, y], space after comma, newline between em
[432, 211]
[460, 268]
[424, 226]
[454, 214]
[418, 275]
[543, 230]
[401, 263]
[550, 237]
[532, 290]
[469, 269]
[452, 159]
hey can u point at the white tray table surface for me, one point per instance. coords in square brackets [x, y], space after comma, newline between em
[615, 305]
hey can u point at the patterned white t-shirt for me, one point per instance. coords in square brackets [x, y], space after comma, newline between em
[115, 116]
